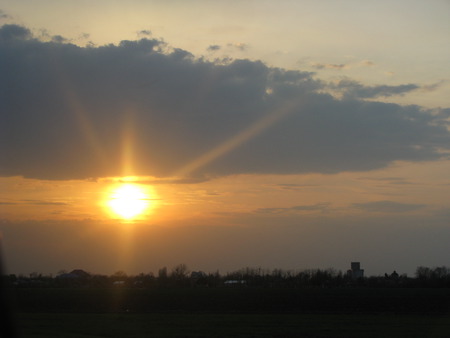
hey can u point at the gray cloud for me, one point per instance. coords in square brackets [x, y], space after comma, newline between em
[352, 89]
[341, 66]
[72, 112]
[9, 33]
[433, 86]
[387, 206]
[145, 33]
[59, 39]
[329, 66]
[213, 48]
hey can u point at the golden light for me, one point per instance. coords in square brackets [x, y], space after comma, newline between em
[128, 201]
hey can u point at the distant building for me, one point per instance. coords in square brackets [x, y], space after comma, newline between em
[355, 271]
[119, 283]
[234, 282]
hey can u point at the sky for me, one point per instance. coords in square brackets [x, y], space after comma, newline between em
[273, 134]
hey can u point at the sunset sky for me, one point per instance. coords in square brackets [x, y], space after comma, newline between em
[273, 134]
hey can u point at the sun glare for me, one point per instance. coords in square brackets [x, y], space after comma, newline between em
[128, 201]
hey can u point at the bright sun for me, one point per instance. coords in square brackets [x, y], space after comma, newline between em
[128, 201]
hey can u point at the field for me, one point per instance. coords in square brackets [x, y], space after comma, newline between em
[233, 312]
[231, 325]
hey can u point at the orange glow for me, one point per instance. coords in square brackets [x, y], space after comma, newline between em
[128, 201]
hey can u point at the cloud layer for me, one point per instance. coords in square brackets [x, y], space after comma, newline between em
[71, 112]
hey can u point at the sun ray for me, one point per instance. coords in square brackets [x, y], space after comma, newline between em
[238, 139]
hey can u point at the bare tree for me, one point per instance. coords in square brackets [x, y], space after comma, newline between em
[179, 272]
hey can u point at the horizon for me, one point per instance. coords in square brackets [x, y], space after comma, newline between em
[256, 270]
[276, 134]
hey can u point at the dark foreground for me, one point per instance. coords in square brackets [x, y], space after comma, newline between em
[91, 325]
[239, 312]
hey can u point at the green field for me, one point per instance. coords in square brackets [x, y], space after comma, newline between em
[240, 312]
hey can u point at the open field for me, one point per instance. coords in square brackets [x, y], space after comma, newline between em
[90, 325]
[236, 312]
[231, 300]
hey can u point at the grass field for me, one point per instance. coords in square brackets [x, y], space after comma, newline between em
[76, 325]
[240, 312]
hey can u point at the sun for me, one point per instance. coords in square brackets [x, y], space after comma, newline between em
[128, 201]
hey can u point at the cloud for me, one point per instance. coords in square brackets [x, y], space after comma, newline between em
[71, 112]
[239, 46]
[9, 33]
[434, 86]
[387, 206]
[294, 209]
[293, 186]
[213, 48]
[171, 180]
[351, 89]
[3, 15]
[43, 202]
[145, 33]
[389, 180]
[341, 66]
[33, 202]
[329, 66]
[59, 39]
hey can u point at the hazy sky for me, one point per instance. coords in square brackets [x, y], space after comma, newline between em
[273, 134]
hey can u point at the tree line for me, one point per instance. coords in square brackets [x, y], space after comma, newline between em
[181, 276]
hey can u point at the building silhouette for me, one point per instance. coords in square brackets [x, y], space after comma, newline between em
[355, 270]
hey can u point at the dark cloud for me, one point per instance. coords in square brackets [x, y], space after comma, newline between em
[59, 39]
[145, 33]
[213, 48]
[353, 90]
[45, 35]
[387, 206]
[72, 112]
[10, 33]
